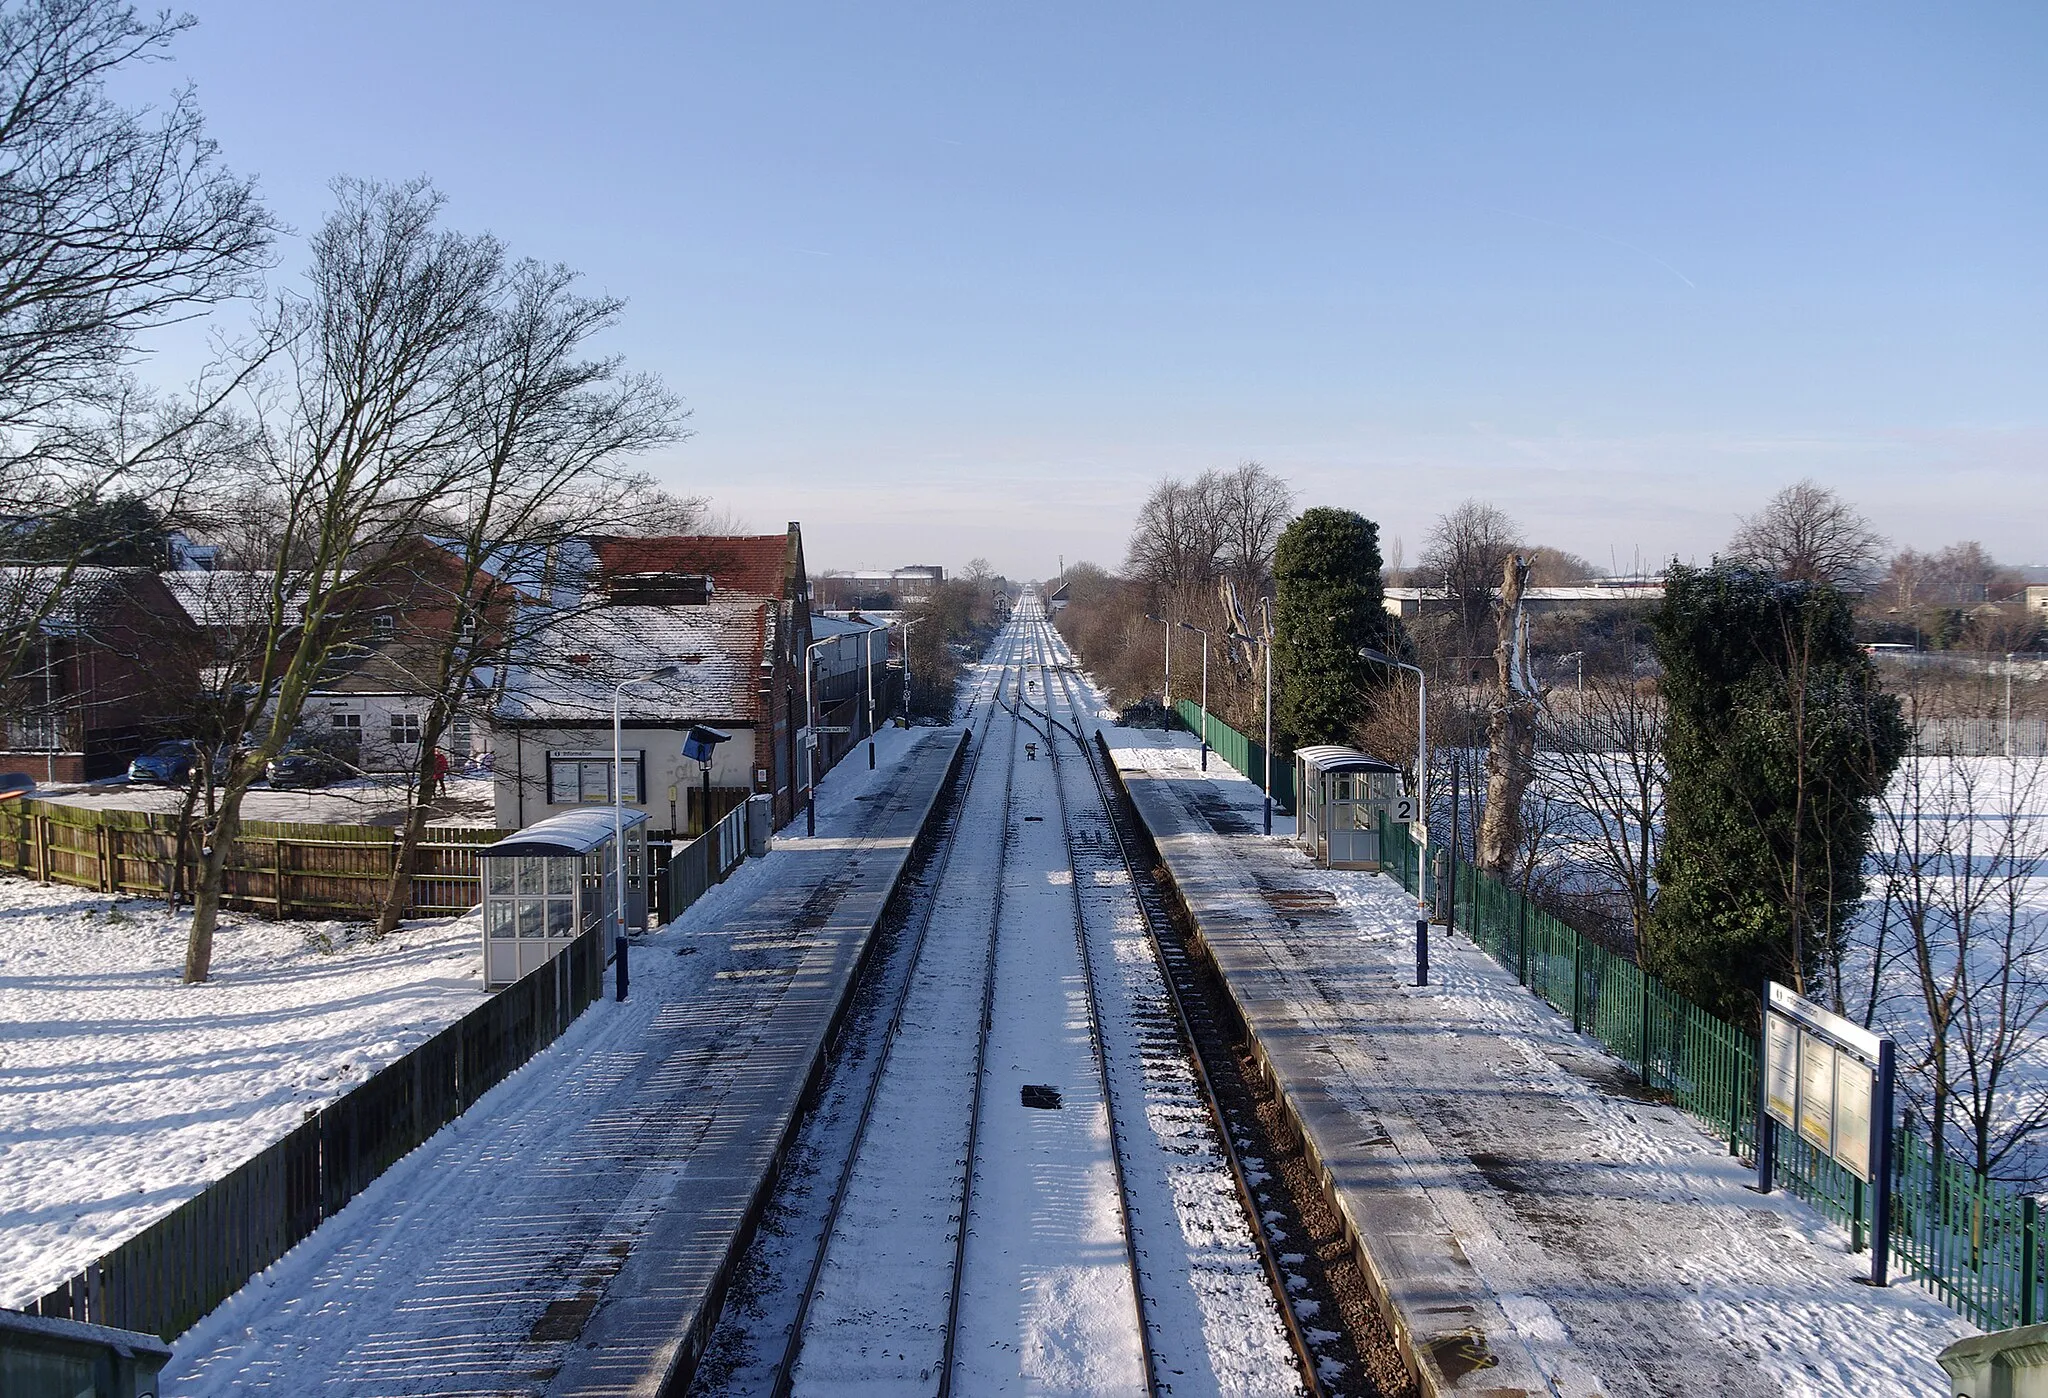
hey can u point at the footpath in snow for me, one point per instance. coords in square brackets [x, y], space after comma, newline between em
[1538, 1225]
[569, 1233]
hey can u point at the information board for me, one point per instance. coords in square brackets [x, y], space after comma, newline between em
[1817, 1091]
[1831, 1081]
[1781, 1069]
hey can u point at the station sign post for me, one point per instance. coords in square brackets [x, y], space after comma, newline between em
[1831, 1082]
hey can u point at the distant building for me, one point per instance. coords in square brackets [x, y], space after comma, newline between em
[878, 589]
[1410, 602]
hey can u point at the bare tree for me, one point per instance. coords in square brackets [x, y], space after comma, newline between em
[113, 222]
[1604, 754]
[1464, 554]
[1807, 533]
[1253, 506]
[367, 435]
[1960, 847]
[543, 435]
[1510, 728]
[1178, 539]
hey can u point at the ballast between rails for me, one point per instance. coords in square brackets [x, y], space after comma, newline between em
[1166, 962]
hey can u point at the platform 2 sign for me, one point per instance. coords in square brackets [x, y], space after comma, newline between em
[1829, 1080]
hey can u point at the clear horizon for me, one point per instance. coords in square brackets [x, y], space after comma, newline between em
[944, 283]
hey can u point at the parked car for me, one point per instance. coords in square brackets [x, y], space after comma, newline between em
[307, 767]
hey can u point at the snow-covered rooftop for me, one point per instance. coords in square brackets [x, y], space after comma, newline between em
[572, 667]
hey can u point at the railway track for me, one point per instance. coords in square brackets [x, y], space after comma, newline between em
[1192, 1025]
[912, 1286]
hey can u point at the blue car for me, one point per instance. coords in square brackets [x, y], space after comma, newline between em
[171, 763]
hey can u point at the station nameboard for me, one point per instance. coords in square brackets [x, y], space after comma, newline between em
[1830, 1080]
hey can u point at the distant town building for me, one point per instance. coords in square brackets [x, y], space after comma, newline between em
[877, 589]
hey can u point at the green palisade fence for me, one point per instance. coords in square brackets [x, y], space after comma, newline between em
[1242, 753]
[1968, 1238]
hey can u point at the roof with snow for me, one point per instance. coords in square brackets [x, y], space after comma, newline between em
[86, 598]
[570, 833]
[573, 666]
[232, 598]
[752, 565]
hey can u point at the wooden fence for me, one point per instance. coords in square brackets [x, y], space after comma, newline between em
[278, 868]
[176, 1270]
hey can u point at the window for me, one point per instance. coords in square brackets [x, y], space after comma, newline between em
[36, 733]
[405, 730]
[585, 778]
[382, 625]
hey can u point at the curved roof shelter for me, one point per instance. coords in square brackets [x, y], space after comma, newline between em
[1330, 757]
[1341, 794]
[560, 836]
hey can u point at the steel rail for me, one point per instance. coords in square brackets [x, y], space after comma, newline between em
[785, 1372]
[949, 1349]
[1166, 960]
[1116, 1141]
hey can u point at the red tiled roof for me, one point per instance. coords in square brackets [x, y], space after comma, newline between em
[750, 564]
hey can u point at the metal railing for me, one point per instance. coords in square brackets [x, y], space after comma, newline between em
[1974, 1241]
[703, 863]
[1246, 755]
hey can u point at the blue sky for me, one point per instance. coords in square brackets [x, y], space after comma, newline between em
[956, 280]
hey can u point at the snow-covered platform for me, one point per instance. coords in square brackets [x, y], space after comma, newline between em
[1534, 1224]
[573, 1233]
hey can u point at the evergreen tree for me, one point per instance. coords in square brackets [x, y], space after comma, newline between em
[1777, 741]
[1328, 602]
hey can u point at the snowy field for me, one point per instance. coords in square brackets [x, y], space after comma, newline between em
[123, 1092]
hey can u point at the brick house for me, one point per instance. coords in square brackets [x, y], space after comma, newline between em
[112, 667]
[731, 614]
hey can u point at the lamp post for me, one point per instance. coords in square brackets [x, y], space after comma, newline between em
[867, 669]
[1421, 745]
[619, 816]
[1166, 689]
[2008, 705]
[906, 625]
[811, 734]
[1190, 626]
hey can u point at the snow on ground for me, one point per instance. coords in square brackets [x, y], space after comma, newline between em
[123, 1092]
[1663, 1234]
[431, 1279]
[372, 800]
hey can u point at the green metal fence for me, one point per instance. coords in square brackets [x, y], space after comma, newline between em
[1246, 755]
[1973, 1241]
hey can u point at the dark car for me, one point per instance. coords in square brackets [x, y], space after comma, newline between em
[307, 767]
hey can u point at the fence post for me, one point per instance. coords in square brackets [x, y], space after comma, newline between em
[1881, 1172]
[2030, 1241]
[282, 882]
[1578, 984]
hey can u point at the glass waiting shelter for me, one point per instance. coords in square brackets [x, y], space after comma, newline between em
[1339, 794]
[550, 883]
